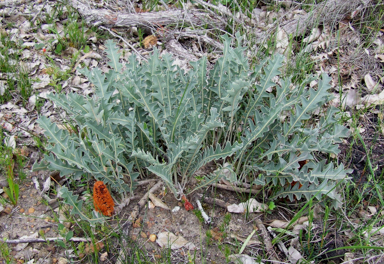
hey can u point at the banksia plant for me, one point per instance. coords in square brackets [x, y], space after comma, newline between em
[102, 199]
[156, 118]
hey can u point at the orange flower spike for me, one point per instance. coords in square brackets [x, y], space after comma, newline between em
[102, 200]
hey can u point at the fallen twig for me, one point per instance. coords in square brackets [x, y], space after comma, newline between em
[236, 189]
[106, 17]
[213, 201]
[207, 219]
[126, 42]
[280, 243]
[144, 182]
[86, 55]
[267, 240]
[221, 10]
[42, 240]
[200, 36]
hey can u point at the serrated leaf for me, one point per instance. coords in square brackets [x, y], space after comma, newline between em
[77, 206]
[112, 53]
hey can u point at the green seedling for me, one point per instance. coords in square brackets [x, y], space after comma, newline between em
[13, 188]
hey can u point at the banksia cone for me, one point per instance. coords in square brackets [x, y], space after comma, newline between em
[102, 200]
[187, 205]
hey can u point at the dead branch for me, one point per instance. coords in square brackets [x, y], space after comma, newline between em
[42, 240]
[213, 201]
[236, 189]
[145, 182]
[174, 47]
[324, 13]
[200, 35]
[109, 18]
[222, 10]
[267, 240]
[126, 42]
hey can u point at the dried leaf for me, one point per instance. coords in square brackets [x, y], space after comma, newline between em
[315, 34]
[372, 209]
[369, 82]
[137, 223]
[90, 248]
[279, 224]
[216, 234]
[157, 202]
[169, 240]
[150, 41]
[297, 228]
[250, 242]
[46, 186]
[294, 255]
[104, 256]
[252, 205]
[373, 99]
[10, 142]
[242, 259]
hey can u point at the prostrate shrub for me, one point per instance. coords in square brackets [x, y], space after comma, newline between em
[155, 117]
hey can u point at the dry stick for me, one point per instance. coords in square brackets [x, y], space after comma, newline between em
[323, 13]
[201, 36]
[143, 200]
[126, 42]
[106, 17]
[236, 189]
[42, 240]
[221, 10]
[213, 201]
[144, 182]
[267, 240]
[132, 218]
[175, 47]
[280, 244]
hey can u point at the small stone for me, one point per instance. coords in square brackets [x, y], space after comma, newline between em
[47, 230]
[22, 210]
[31, 210]
[143, 234]
[24, 196]
[63, 261]
[152, 237]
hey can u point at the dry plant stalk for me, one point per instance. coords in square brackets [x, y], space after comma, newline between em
[102, 200]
